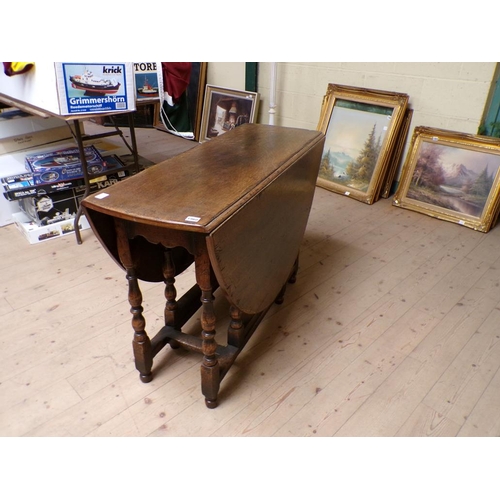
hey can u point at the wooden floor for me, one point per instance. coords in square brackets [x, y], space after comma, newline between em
[392, 329]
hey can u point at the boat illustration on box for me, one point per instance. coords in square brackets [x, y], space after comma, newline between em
[69, 157]
[94, 85]
[147, 90]
[63, 165]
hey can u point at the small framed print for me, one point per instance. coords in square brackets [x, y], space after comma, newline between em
[225, 109]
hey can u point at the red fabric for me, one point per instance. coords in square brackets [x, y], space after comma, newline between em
[176, 78]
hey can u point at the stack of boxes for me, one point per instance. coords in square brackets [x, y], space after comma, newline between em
[44, 184]
[42, 195]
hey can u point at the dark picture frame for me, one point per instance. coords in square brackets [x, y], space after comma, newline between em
[225, 109]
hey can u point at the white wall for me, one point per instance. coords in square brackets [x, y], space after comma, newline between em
[228, 74]
[449, 95]
[445, 95]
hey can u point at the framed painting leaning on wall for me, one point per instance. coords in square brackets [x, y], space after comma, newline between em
[452, 176]
[225, 109]
[397, 156]
[362, 129]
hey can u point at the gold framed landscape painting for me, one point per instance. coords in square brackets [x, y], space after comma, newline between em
[362, 127]
[452, 176]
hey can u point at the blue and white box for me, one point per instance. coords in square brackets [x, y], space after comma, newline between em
[95, 87]
[64, 165]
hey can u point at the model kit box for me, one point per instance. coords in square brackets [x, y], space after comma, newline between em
[45, 88]
[47, 208]
[37, 234]
[23, 185]
[95, 87]
[14, 163]
[64, 165]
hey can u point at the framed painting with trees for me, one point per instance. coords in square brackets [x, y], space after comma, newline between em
[452, 176]
[362, 127]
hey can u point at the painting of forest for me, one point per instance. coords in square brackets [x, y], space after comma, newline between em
[453, 178]
[353, 143]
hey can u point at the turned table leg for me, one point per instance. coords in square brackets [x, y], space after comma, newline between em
[210, 369]
[170, 293]
[141, 343]
[235, 331]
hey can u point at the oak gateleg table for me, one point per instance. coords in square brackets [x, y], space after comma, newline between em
[237, 206]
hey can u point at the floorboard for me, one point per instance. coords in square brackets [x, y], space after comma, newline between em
[390, 330]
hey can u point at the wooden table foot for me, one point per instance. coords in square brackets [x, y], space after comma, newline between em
[211, 403]
[143, 357]
[210, 383]
[291, 279]
[146, 378]
[281, 296]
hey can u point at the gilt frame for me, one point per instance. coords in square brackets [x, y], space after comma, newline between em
[362, 153]
[397, 158]
[452, 176]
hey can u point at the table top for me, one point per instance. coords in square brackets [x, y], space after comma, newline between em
[199, 189]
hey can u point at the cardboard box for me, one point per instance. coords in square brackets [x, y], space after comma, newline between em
[23, 185]
[64, 165]
[38, 234]
[47, 87]
[95, 87]
[14, 133]
[20, 130]
[53, 207]
[14, 163]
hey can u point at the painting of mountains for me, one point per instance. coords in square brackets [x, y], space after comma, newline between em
[453, 178]
[352, 146]
[362, 130]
